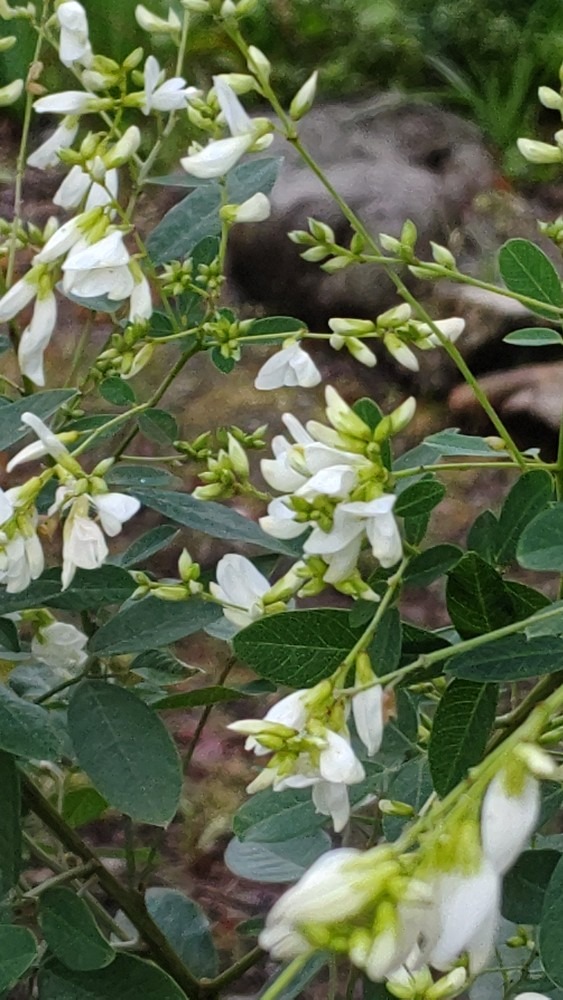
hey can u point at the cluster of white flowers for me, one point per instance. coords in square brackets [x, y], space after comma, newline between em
[84, 545]
[308, 735]
[333, 480]
[396, 913]
[398, 331]
[544, 152]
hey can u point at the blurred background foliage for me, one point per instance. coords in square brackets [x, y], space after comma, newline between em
[485, 58]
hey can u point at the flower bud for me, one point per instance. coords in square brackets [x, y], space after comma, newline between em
[170, 592]
[238, 457]
[228, 9]
[336, 264]
[11, 93]
[550, 98]
[133, 59]
[409, 234]
[7, 43]
[320, 230]
[390, 243]
[539, 152]
[254, 209]
[304, 98]
[259, 63]
[395, 316]
[389, 807]
[448, 986]
[124, 149]
[442, 255]
[157, 25]
[352, 326]
[196, 6]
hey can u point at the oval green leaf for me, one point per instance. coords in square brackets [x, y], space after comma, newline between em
[476, 597]
[297, 648]
[43, 404]
[185, 925]
[18, 951]
[525, 269]
[535, 336]
[420, 498]
[513, 658]
[530, 494]
[71, 932]
[126, 751]
[462, 725]
[127, 978]
[525, 886]
[284, 861]
[152, 622]
[27, 730]
[541, 543]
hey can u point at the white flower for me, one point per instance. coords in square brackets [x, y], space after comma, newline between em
[278, 471]
[18, 297]
[220, 155]
[84, 545]
[78, 183]
[169, 95]
[47, 154]
[280, 520]
[36, 337]
[531, 996]
[451, 329]
[140, 303]
[114, 509]
[381, 527]
[367, 709]
[508, 820]
[468, 907]
[59, 645]
[291, 366]
[48, 443]
[65, 237]
[254, 209]
[21, 555]
[100, 268]
[240, 588]
[74, 44]
[68, 102]
[304, 98]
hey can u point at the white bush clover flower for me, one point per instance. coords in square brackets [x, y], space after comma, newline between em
[84, 545]
[247, 135]
[469, 911]
[160, 94]
[74, 42]
[36, 284]
[99, 268]
[21, 554]
[47, 154]
[291, 366]
[240, 588]
[59, 644]
[157, 25]
[310, 742]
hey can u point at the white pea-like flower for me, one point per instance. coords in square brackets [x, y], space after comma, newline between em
[60, 645]
[508, 819]
[291, 366]
[47, 154]
[161, 94]
[469, 911]
[240, 588]
[74, 43]
[37, 334]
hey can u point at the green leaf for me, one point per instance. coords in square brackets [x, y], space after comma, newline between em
[10, 824]
[268, 325]
[534, 337]
[420, 498]
[525, 269]
[127, 978]
[513, 658]
[525, 886]
[295, 987]
[415, 528]
[541, 543]
[27, 730]
[197, 216]
[483, 536]
[158, 426]
[212, 519]
[186, 927]
[82, 805]
[18, 951]
[201, 696]
[526, 601]
[297, 648]
[476, 598]
[89, 589]
[9, 638]
[451, 442]
[43, 404]
[160, 666]
[551, 952]
[385, 647]
[222, 364]
[270, 817]
[184, 225]
[135, 476]
[423, 454]
[530, 494]
[95, 422]
[126, 751]
[71, 932]
[151, 622]
[462, 725]
[117, 391]
[413, 785]
[285, 861]
[147, 545]
[431, 564]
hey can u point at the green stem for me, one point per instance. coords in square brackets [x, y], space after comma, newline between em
[285, 978]
[65, 876]
[393, 585]
[187, 757]
[132, 903]
[234, 971]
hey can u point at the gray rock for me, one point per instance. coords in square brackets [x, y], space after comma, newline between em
[389, 159]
